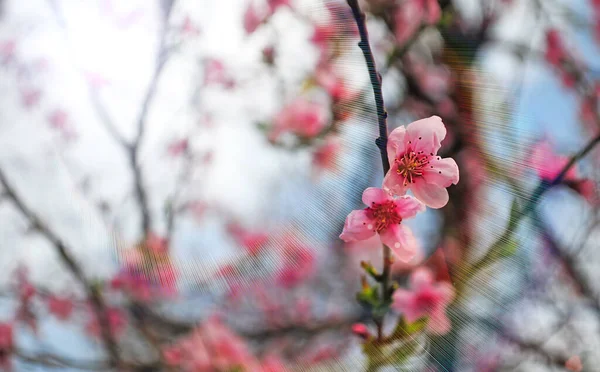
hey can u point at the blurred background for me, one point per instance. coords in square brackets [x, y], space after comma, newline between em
[175, 174]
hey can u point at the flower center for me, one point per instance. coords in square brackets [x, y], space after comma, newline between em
[426, 301]
[410, 165]
[384, 215]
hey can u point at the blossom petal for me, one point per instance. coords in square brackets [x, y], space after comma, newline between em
[394, 183]
[375, 195]
[404, 302]
[421, 278]
[401, 241]
[396, 143]
[442, 172]
[357, 227]
[426, 134]
[430, 194]
[434, 12]
[446, 291]
[439, 323]
[408, 206]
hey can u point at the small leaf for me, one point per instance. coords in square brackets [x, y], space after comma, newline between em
[404, 329]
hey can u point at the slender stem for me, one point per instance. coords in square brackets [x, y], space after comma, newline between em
[375, 77]
[381, 141]
[528, 208]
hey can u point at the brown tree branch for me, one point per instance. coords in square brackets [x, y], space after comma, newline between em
[94, 295]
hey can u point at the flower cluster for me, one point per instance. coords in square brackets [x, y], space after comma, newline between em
[212, 346]
[415, 166]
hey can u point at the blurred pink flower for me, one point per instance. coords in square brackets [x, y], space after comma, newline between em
[414, 165]
[272, 363]
[157, 244]
[411, 14]
[189, 28]
[178, 147]
[60, 307]
[276, 4]
[116, 323]
[435, 81]
[425, 299]
[30, 97]
[298, 264]
[574, 364]
[361, 330]
[58, 119]
[383, 216]
[325, 156]
[7, 50]
[252, 19]
[253, 242]
[134, 283]
[301, 117]
[6, 345]
[335, 85]
[322, 35]
[216, 74]
[555, 51]
[211, 347]
[548, 164]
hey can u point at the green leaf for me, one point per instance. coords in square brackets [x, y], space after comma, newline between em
[404, 329]
[368, 296]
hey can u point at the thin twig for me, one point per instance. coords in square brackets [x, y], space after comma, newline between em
[381, 142]
[527, 209]
[94, 295]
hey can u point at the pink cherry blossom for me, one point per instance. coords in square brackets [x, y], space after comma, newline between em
[272, 363]
[134, 283]
[383, 216]
[361, 330]
[414, 165]
[548, 164]
[334, 84]
[253, 242]
[555, 51]
[211, 347]
[411, 14]
[189, 28]
[30, 97]
[301, 117]
[299, 264]
[252, 19]
[60, 307]
[435, 81]
[116, 323]
[215, 73]
[6, 345]
[322, 35]
[574, 364]
[7, 51]
[157, 244]
[178, 147]
[325, 156]
[276, 4]
[425, 299]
